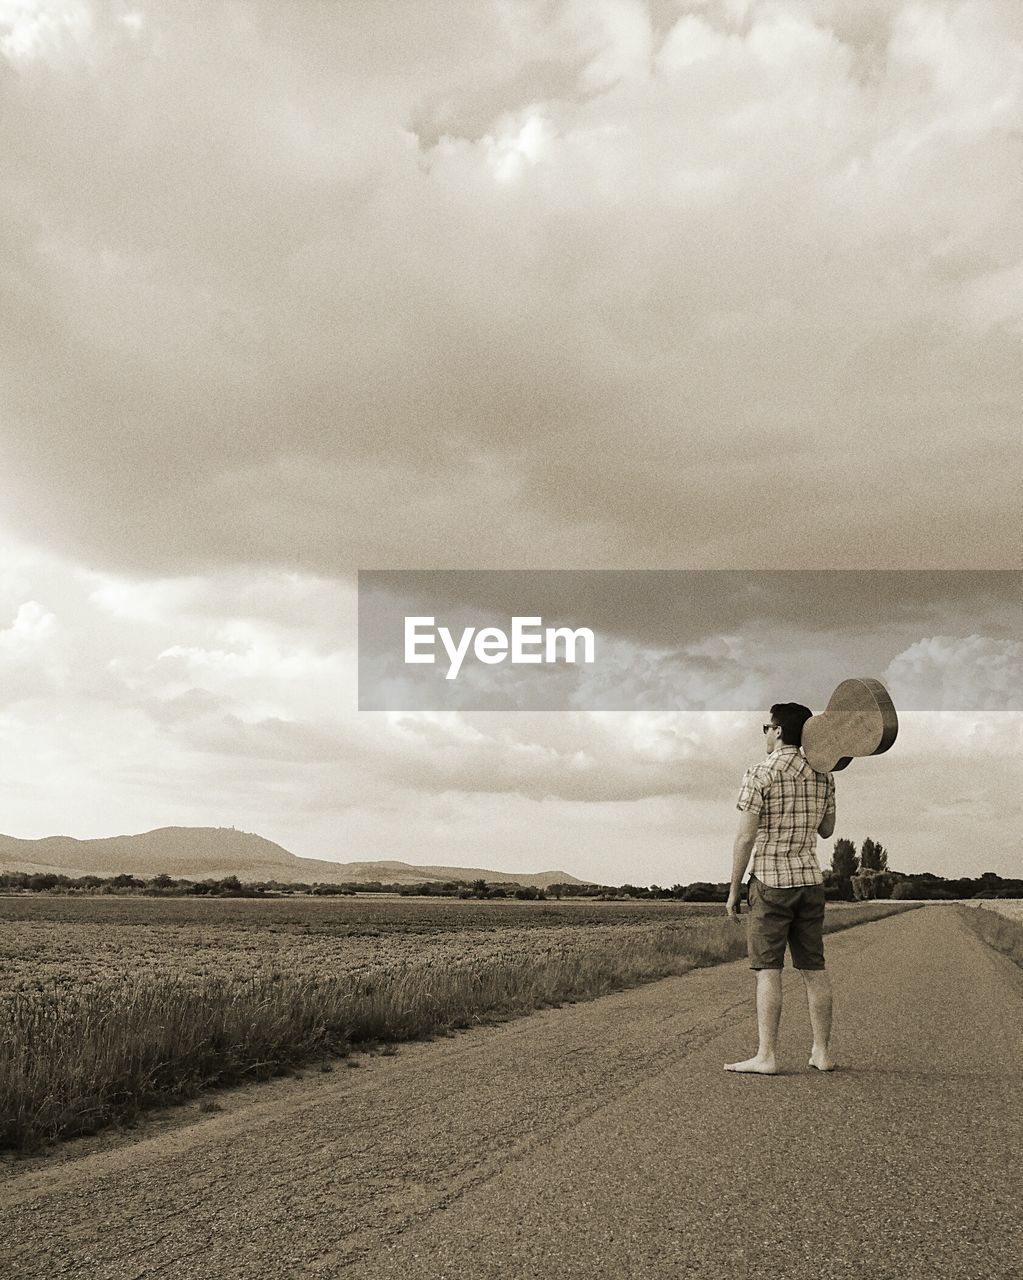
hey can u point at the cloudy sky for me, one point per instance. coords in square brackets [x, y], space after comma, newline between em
[290, 291]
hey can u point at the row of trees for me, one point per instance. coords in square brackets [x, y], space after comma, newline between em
[230, 887]
[160, 885]
[853, 875]
[866, 875]
[873, 856]
[164, 885]
[846, 862]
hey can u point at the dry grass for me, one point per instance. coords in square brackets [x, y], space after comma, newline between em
[999, 922]
[103, 1018]
[1011, 908]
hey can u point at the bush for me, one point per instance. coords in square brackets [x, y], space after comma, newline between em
[868, 886]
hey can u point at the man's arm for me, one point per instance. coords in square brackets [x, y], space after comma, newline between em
[745, 838]
[827, 826]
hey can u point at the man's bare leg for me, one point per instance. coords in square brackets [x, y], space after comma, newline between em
[818, 1000]
[768, 1021]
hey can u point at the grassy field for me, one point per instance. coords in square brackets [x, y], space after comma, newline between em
[110, 1005]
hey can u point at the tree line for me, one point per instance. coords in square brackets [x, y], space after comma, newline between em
[164, 885]
[866, 876]
[862, 875]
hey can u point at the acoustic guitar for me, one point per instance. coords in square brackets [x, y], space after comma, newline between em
[859, 720]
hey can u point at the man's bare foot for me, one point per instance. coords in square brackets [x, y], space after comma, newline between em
[822, 1060]
[758, 1066]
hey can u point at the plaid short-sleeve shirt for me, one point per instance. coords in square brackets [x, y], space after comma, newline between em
[792, 799]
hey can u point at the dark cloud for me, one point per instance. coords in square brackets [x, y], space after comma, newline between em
[660, 290]
[693, 640]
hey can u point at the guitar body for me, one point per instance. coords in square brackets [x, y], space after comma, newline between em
[859, 720]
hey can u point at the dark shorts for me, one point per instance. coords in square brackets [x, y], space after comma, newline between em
[780, 916]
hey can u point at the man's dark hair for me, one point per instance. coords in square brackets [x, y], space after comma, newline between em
[790, 718]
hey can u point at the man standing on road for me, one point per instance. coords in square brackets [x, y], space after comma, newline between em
[785, 805]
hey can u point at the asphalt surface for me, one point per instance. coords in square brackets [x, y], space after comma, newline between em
[598, 1139]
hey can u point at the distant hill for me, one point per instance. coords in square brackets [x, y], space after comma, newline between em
[200, 853]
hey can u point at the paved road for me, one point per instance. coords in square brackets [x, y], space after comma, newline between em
[599, 1139]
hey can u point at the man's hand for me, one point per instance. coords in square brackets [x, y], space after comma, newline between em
[745, 838]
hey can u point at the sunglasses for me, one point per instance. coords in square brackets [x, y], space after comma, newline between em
[769, 727]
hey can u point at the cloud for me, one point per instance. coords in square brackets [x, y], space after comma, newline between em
[33, 655]
[296, 290]
[567, 757]
[44, 30]
[613, 278]
[32, 625]
[218, 701]
[973, 671]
